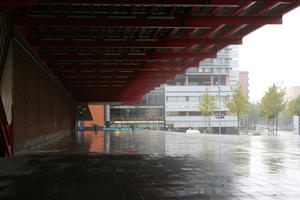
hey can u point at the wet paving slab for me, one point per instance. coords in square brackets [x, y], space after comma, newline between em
[155, 165]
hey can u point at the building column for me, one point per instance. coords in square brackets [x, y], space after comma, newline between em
[211, 80]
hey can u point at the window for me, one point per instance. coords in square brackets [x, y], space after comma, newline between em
[176, 99]
[180, 113]
[207, 70]
[194, 99]
[194, 69]
[222, 98]
[194, 113]
[172, 99]
[222, 79]
[199, 80]
[181, 99]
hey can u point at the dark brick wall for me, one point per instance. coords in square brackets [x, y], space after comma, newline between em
[40, 107]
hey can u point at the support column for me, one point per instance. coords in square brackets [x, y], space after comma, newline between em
[107, 116]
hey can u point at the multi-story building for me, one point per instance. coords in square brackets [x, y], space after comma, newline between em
[244, 82]
[219, 77]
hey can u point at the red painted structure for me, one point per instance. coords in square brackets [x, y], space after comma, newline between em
[97, 112]
[118, 50]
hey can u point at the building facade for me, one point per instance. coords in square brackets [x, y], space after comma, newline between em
[219, 77]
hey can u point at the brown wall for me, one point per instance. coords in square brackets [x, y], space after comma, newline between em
[40, 108]
[97, 112]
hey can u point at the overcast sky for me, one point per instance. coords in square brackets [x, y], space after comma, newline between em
[271, 54]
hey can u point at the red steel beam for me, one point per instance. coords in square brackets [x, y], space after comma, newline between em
[156, 56]
[112, 88]
[98, 91]
[239, 10]
[120, 66]
[184, 3]
[11, 4]
[267, 8]
[140, 21]
[103, 82]
[140, 78]
[118, 73]
[287, 1]
[167, 43]
[109, 89]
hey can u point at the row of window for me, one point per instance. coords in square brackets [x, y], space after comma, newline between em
[209, 70]
[136, 112]
[203, 80]
[193, 98]
[218, 61]
[193, 113]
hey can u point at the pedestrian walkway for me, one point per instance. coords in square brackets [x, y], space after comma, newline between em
[155, 165]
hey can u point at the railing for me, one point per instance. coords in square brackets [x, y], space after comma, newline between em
[6, 130]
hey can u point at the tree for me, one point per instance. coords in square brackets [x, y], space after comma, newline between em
[272, 104]
[238, 104]
[207, 106]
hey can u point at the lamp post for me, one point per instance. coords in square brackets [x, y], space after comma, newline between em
[219, 87]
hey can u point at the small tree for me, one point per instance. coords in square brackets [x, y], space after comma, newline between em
[272, 104]
[207, 106]
[238, 104]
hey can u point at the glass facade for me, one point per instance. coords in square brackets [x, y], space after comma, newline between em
[148, 113]
[137, 113]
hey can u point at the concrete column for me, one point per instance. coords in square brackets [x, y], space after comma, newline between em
[211, 80]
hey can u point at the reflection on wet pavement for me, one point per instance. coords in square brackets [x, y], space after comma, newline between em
[155, 165]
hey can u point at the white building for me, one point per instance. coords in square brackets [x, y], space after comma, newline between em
[217, 76]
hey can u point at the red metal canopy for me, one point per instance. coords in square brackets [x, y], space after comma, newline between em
[118, 50]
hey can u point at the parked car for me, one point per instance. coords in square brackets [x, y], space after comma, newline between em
[192, 131]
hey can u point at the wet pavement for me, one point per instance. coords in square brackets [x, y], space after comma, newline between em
[155, 165]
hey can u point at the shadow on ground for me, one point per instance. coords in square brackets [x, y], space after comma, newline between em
[111, 177]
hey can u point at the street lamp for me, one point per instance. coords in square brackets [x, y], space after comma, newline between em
[219, 87]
